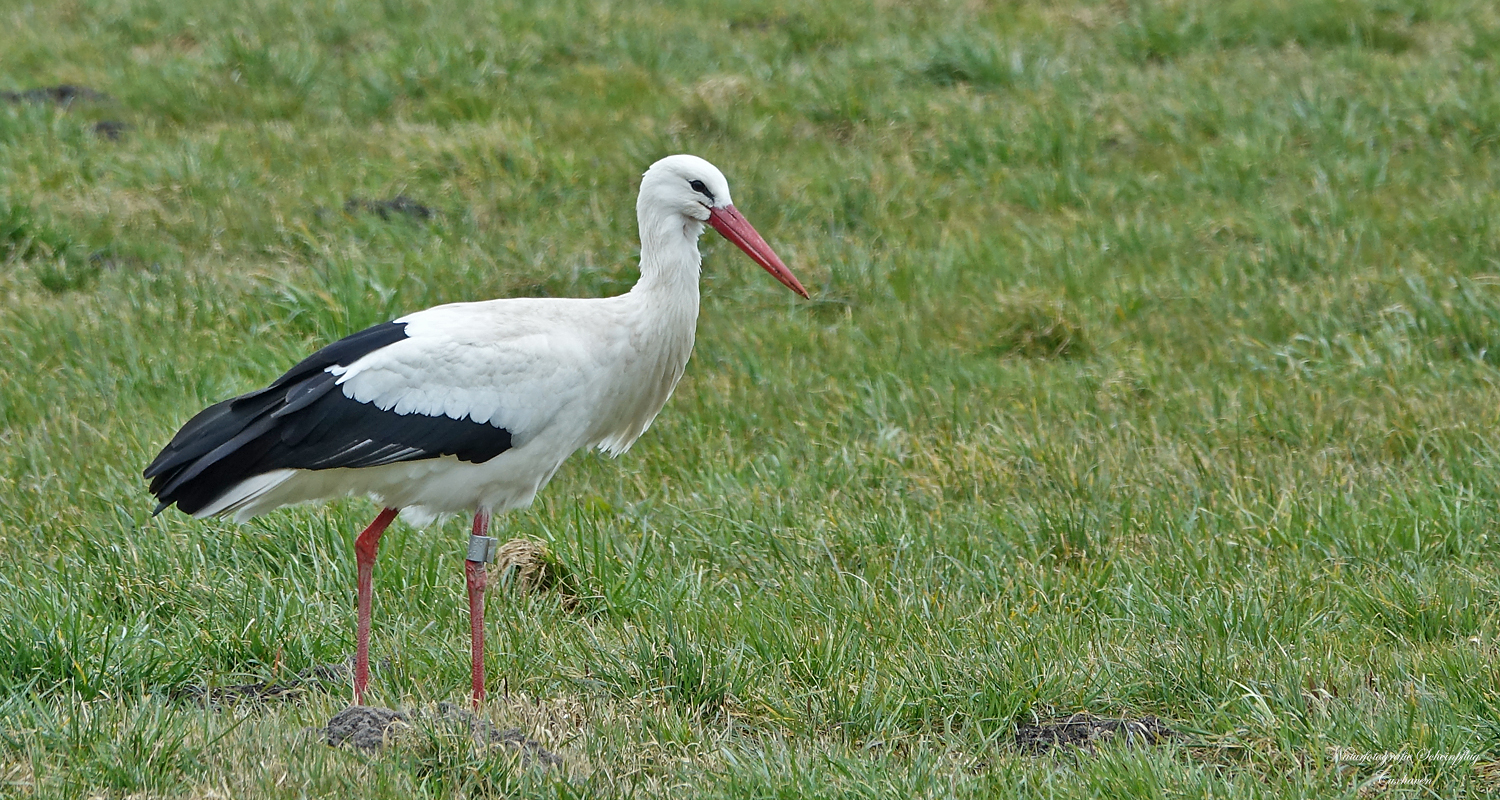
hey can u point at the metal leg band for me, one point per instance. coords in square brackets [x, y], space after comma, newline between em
[482, 549]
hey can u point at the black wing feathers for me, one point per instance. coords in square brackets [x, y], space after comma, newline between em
[304, 421]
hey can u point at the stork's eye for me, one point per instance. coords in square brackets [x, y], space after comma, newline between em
[701, 189]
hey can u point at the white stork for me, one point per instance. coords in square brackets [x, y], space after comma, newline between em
[466, 407]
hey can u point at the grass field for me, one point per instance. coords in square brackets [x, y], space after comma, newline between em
[1152, 368]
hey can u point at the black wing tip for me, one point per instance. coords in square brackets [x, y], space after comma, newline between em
[210, 436]
[301, 421]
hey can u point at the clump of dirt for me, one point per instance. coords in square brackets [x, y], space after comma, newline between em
[63, 95]
[370, 728]
[486, 732]
[363, 727]
[217, 696]
[1086, 731]
[1031, 326]
[320, 677]
[111, 129]
[398, 206]
[337, 671]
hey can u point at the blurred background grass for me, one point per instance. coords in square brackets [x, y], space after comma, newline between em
[1151, 369]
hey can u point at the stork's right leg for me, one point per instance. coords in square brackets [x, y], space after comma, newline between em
[481, 552]
[364, 557]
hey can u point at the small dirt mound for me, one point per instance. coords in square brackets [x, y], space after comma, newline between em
[111, 129]
[1087, 732]
[337, 671]
[320, 677]
[62, 95]
[486, 732]
[363, 727]
[371, 728]
[217, 696]
[398, 206]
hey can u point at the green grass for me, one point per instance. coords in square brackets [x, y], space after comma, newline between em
[1153, 367]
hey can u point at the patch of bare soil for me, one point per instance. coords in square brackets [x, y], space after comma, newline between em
[363, 727]
[1085, 731]
[62, 95]
[321, 677]
[398, 206]
[111, 129]
[371, 728]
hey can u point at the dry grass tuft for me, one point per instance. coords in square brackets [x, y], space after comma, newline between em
[1033, 325]
[527, 566]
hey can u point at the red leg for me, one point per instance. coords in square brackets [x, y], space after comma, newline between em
[474, 577]
[364, 556]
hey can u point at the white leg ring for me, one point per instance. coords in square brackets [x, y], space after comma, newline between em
[482, 549]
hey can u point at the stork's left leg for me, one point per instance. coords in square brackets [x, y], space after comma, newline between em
[364, 556]
[481, 551]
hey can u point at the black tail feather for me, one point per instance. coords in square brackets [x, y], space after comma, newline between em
[301, 421]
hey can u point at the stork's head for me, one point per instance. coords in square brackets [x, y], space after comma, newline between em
[689, 186]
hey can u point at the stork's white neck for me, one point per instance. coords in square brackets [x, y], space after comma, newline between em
[662, 314]
[670, 262]
[667, 293]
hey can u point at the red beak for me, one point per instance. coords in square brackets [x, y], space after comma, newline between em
[732, 224]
